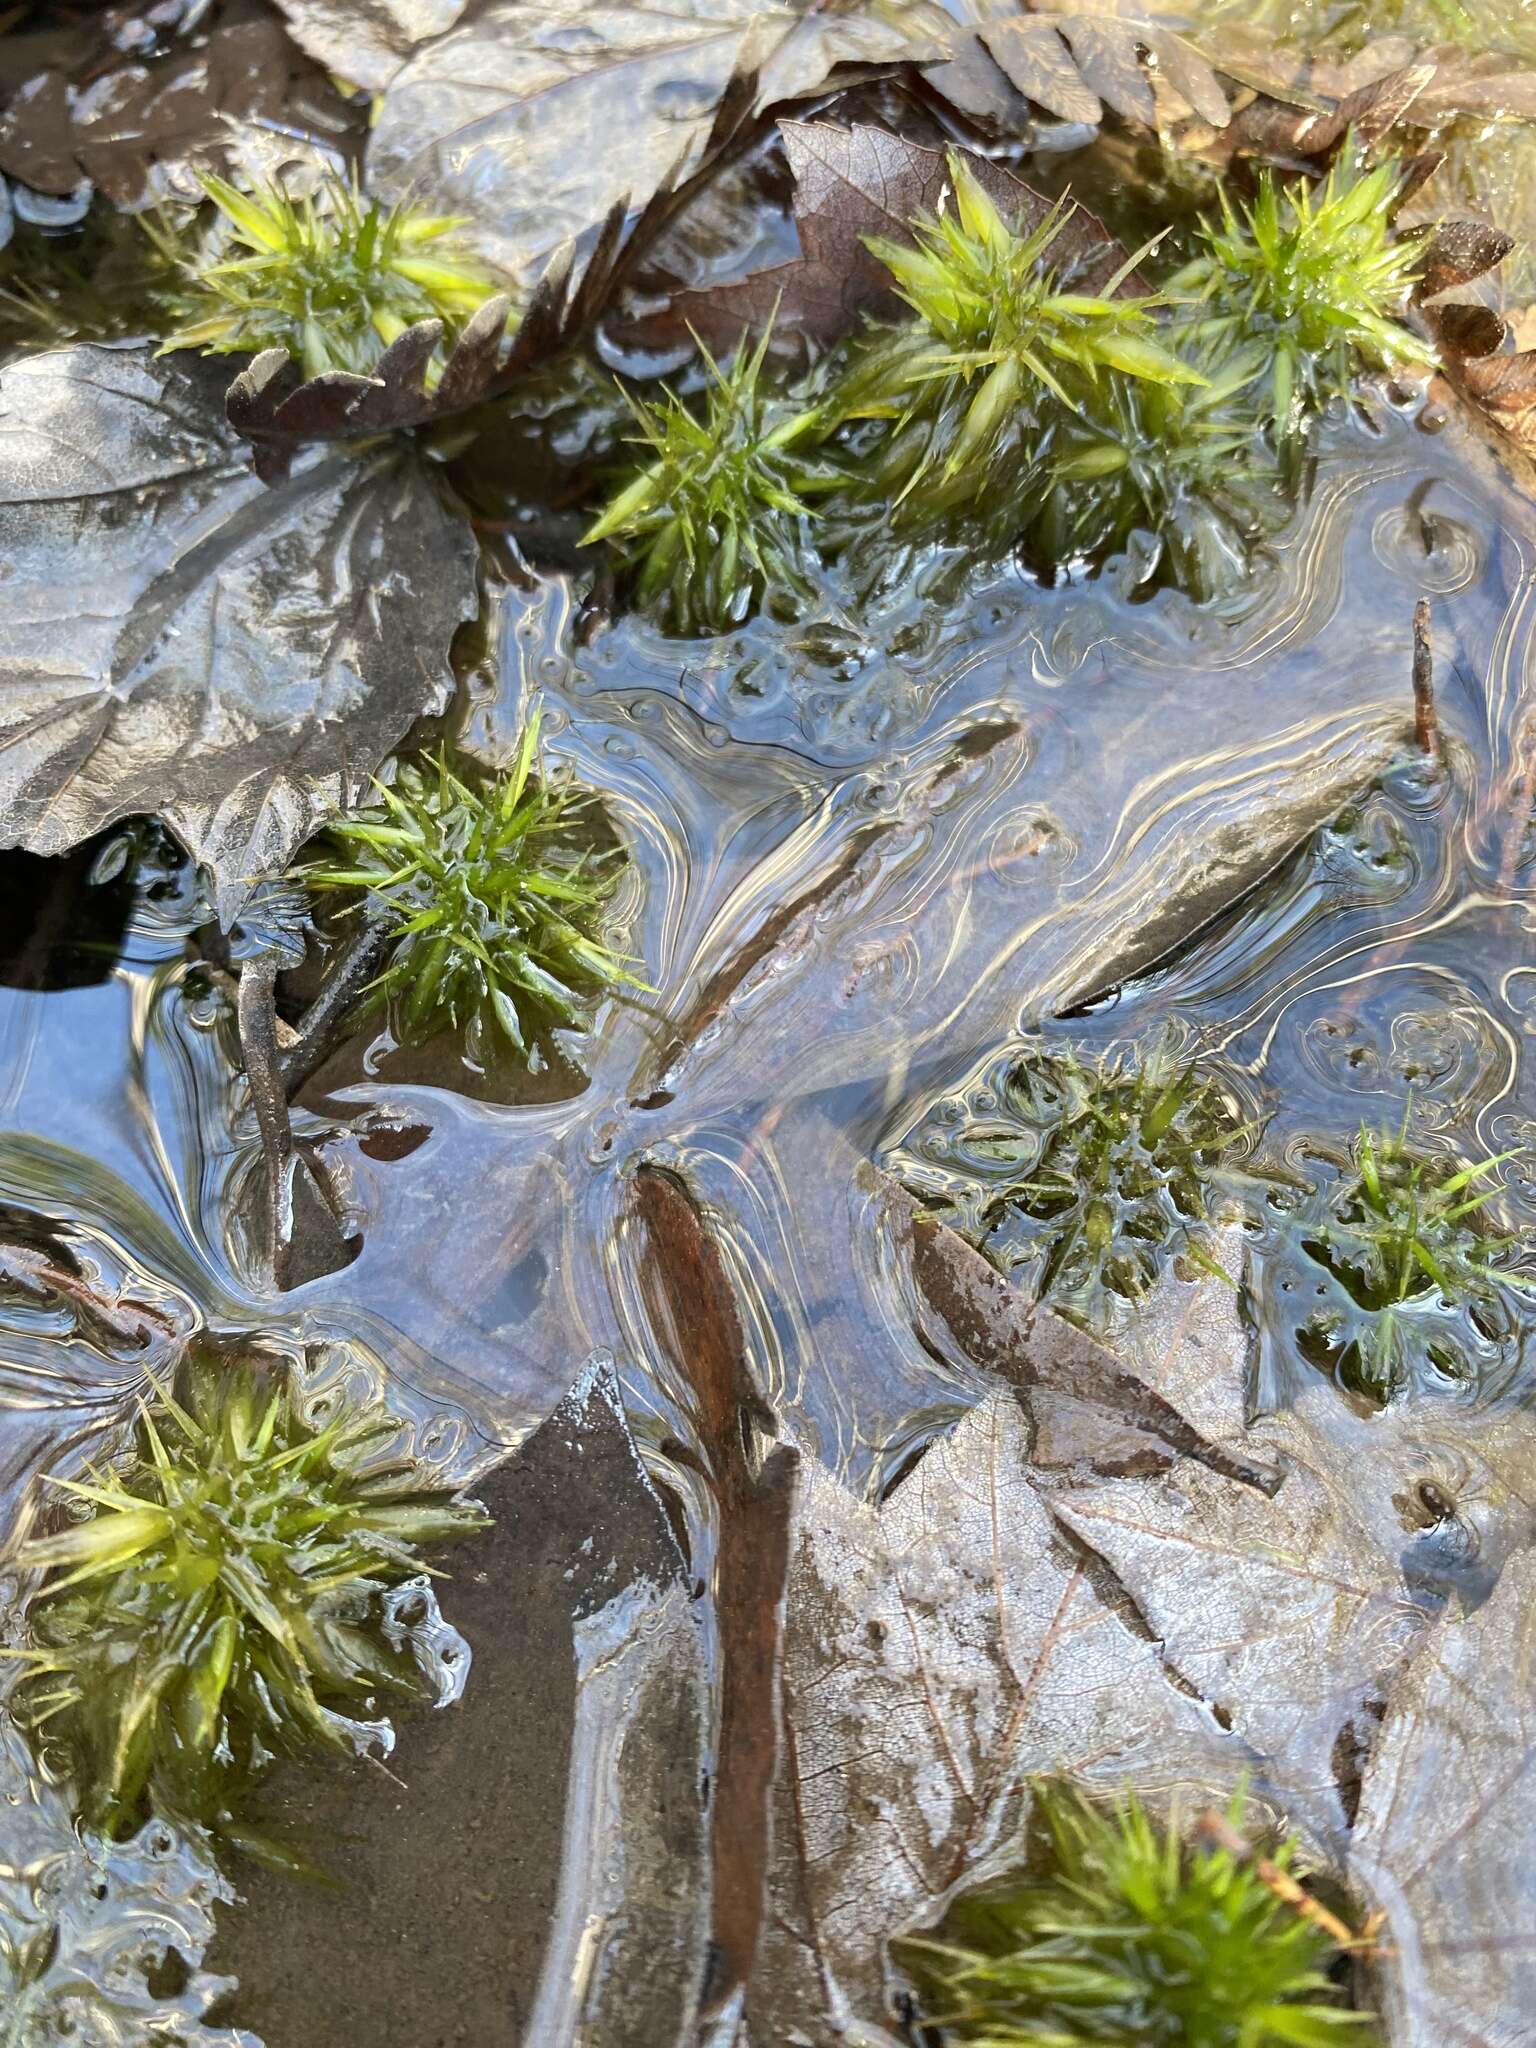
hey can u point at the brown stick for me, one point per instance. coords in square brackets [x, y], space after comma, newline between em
[693, 1309]
[1426, 725]
[255, 1009]
[1215, 1827]
[321, 1023]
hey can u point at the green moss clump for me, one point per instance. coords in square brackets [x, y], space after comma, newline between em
[1177, 478]
[1006, 328]
[1420, 1281]
[1013, 328]
[220, 1603]
[494, 894]
[333, 280]
[716, 519]
[1133, 1937]
[1037, 399]
[1086, 1179]
[1315, 278]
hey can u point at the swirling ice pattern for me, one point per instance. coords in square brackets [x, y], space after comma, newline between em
[845, 901]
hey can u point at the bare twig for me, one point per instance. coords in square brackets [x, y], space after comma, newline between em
[257, 1015]
[318, 1028]
[133, 1323]
[1426, 725]
[1215, 1827]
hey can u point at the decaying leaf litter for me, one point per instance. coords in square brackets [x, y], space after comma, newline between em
[913, 1541]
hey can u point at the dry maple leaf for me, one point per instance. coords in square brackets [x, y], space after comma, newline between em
[1074, 62]
[1446, 1837]
[938, 1652]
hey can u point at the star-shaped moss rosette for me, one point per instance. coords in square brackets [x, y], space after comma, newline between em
[1418, 1285]
[331, 279]
[717, 517]
[1083, 1179]
[1004, 335]
[494, 892]
[220, 1602]
[1133, 1935]
[1315, 276]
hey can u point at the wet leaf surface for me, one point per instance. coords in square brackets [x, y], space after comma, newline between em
[249, 655]
[272, 405]
[554, 1812]
[1293, 1615]
[367, 41]
[937, 1653]
[1445, 1845]
[497, 118]
[238, 95]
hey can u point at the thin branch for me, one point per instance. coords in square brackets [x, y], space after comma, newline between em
[322, 1021]
[257, 1014]
[1426, 724]
[1215, 1827]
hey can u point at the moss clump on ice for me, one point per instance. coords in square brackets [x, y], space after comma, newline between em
[494, 896]
[716, 517]
[222, 1600]
[1420, 1286]
[1315, 279]
[333, 279]
[1045, 394]
[1083, 1178]
[1014, 324]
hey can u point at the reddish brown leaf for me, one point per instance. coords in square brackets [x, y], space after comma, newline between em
[851, 183]
[1467, 330]
[1504, 384]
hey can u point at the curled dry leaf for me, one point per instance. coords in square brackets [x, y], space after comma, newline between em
[1073, 63]
[496, 119]
[1445, 1843]
[239, 98]
[853, 182]
[273, 406]
[248, 656]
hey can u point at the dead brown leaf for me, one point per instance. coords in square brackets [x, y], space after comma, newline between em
[851, 183]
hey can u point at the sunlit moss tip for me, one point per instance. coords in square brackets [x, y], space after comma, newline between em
[1315, 275]
[1011, 320]
[219, 1603]
[333, 278]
